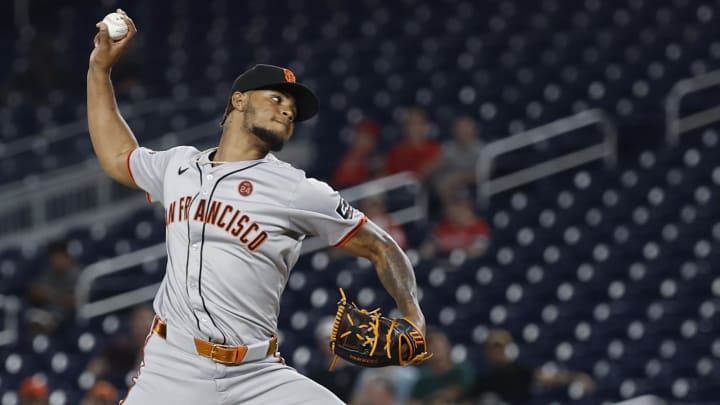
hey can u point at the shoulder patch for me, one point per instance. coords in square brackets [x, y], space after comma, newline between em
[344, 209]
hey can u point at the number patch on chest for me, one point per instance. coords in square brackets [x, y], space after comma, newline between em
[245, 188]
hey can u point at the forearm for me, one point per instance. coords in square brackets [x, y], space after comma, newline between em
[557, 378]
[110, 135]
[397, 276]
[392, 266]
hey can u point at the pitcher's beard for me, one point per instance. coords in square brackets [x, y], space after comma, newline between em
[273, 140]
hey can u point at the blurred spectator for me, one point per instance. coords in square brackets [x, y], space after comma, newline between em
[374, 208]
[459, 158]
[460, 229]
[512, 381]
[360, 162]
[102, 393]
[127, 78]
[400, 379]
[43, 69]
[377, 391]
[341, 380]
[416, 153]
[122, 354]
[441, 381]
[33, 391]
[51, 297]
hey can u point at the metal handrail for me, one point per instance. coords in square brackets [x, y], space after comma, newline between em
[34, 196]
[11, 308]
[105, 267]
[488, 186]
[79, 127]
[676, 125]
[87, 309]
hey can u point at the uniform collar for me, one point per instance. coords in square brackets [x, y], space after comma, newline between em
[203, 158]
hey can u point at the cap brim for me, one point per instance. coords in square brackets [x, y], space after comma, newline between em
[306, 101]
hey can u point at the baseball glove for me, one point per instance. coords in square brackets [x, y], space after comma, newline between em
[368, 339]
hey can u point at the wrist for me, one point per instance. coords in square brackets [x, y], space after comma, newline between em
[95, 69]
[416, 317]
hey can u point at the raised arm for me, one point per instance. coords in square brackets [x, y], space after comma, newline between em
[111, 137]
[393, 268]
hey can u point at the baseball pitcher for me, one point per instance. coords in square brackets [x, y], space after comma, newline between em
[235, 219]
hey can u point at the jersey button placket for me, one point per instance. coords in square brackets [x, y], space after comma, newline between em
[194, 264]
[207, 187]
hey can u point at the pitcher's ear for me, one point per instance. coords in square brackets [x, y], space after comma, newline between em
[239, 100]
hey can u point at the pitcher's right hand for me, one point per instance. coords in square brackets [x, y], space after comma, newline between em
[107, 52]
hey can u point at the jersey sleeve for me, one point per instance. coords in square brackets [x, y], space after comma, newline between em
[320, 210]
[147, 168]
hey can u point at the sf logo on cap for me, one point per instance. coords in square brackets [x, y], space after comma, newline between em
[289, 76]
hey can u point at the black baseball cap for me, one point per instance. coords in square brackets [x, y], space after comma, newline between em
[261, 76]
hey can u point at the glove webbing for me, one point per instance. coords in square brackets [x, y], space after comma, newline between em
[372, 340]
[373, 326]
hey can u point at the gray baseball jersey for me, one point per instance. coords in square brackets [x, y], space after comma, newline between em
[234, 232]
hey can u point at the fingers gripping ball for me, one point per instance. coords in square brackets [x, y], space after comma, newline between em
[368, 339]
[117, 28]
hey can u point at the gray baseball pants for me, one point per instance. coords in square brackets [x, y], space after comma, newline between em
[169, 375]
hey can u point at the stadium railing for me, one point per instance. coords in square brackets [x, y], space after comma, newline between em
[487, 186]
[10, 306]
[676, 125]
[78, 195]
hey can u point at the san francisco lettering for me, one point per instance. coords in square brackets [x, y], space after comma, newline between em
[232, 220]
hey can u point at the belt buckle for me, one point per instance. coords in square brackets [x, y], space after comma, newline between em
[215, 359]
[239, 353]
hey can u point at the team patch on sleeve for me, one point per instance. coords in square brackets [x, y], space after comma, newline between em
[344, 209]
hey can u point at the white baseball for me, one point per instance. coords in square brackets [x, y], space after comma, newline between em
[117, 28]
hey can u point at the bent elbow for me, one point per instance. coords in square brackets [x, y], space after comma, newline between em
[118, 169]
